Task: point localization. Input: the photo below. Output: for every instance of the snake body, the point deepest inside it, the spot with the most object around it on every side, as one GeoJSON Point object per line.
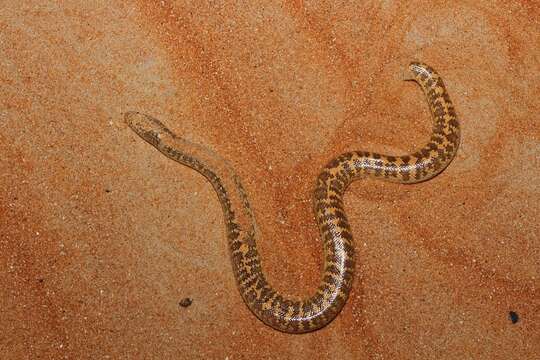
{"type": "Point", "coordinates": [298, 316]}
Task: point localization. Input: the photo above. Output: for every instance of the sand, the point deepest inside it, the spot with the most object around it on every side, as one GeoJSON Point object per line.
{"type": "Point", "coordinates": [102, 238]}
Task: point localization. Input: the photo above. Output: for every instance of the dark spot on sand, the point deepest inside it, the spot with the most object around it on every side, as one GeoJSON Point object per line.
{"type": "Point", "coordinates": [514, 317]}
{"type": "Point", "coordinates": [185, 302]}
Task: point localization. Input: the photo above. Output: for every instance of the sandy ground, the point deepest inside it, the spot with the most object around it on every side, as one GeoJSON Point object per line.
{"type": "Point", "coordinates": [101, 236]}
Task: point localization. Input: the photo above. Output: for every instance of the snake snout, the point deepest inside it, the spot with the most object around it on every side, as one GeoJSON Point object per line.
{"type": "Point", "coordinates": [136, 120]}
{"type": "Point", "coordinates": [145, 126]}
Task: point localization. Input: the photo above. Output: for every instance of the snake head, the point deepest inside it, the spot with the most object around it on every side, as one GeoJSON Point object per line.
{"type": "Point", "coordinates": [147, 127]}
{"type": "Point", "coordinates": [419, 72]}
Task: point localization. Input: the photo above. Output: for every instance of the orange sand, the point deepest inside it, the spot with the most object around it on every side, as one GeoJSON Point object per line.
{"type": "Point", "coordinates": [101, 236]}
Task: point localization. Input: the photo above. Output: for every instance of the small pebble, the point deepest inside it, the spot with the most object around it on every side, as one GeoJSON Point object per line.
{"type": "Point", "coordinates": [514, 317]}
{"type": "Point", "coordinates": [185, 302]}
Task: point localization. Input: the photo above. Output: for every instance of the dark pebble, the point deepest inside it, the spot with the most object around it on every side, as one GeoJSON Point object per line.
{"type": "Point", "coordinates": [514, 317]}
{"type": "Point", "coordinates": [185, 302]}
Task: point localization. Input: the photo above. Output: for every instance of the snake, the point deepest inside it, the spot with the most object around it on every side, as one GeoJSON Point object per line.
{"type": "Point", "coordinates": [284, 313]}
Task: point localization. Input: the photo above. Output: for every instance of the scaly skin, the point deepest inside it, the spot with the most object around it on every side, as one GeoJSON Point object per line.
{"type": "Point", "coordinates": [318, 310]}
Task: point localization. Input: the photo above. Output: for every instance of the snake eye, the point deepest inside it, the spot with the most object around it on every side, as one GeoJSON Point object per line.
{"type": "Point", "coordinates": [152, 136]}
